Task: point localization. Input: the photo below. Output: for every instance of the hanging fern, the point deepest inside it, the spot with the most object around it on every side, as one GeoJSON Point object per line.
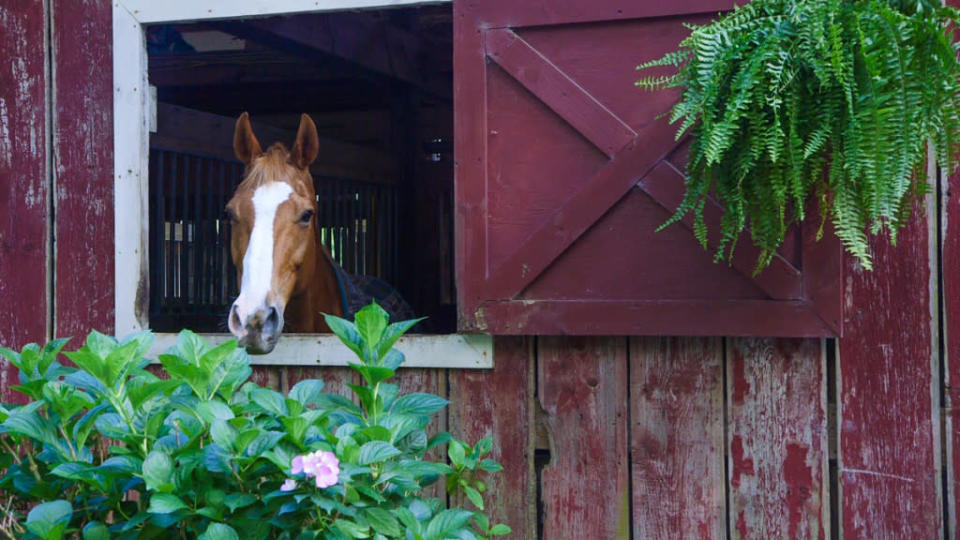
{"type": "Point", "coordinates": [835, 100]}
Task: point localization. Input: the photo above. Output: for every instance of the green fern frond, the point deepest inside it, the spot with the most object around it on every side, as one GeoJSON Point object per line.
{"type": "Point", "coordinates": [790, 102]}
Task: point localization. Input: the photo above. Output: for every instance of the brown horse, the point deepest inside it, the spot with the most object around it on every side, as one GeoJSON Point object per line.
{"type": "Point", "coordinates": [284, 272]}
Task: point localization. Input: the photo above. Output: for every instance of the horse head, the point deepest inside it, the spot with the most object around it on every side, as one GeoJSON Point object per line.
{"type": "Point", "coordinates": [274, 240]}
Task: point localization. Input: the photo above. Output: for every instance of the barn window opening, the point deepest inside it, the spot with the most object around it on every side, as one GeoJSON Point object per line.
{"type": "Point", "coordinates": [378, 85]}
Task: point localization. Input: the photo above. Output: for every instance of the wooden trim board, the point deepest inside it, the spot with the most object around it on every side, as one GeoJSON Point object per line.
{"type": "Point", "coordinates": [151, 11]}
{"type": "Point", "coordinates": [465, 351]}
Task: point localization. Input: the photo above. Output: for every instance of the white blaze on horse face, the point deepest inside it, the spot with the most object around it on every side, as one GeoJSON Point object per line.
{"type": "Point", "coordinates": [257, 277]}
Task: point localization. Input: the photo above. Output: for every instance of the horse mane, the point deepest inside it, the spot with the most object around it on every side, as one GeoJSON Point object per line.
{"type": "Point", "coordinates": [269, 167]}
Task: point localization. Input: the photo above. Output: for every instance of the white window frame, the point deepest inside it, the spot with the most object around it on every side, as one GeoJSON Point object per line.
{"type": "Point", "coordinates": [132, 110]}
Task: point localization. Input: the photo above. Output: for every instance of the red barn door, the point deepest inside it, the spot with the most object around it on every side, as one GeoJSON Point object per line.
{"type": "Point", "coordinates": [565, 170]}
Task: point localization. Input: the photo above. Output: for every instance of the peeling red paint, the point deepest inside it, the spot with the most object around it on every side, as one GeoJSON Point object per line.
{"type": "Point", "coordinates": [741, 464]}
{"type": "Point", "coordinates": [889, 446]}
{"type": "Point", "coordinates": [777, 433]}
{"type": "Point", "coordinates": [742, 525]}
{"type": "Point", "coordinates": [741, 386]}
{"type": "Point", "coordinates": [798, 477]}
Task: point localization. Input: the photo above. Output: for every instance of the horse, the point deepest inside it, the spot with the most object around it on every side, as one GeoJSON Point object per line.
{"type": "Point", "coordinates": [286, 275]}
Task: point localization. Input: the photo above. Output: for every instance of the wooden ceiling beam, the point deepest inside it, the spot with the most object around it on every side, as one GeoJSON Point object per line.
{"type": "Point", "coordinates": [234, 67]}
{"type": "Point", "coordinates": [357, 38]}
{"type": "Point", "coordinates": [188, 130]}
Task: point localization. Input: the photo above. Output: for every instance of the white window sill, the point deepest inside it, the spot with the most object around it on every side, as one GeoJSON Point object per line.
{"type": "Point", "coordinates": [454, 351]}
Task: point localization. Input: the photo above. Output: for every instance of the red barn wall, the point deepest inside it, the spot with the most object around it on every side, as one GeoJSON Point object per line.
{"type": "Point", "coordinates": [601, 437]}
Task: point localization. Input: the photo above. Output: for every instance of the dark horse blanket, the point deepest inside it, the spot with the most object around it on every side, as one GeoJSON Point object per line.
{"type": "Point", "coordinates": [357, 291]}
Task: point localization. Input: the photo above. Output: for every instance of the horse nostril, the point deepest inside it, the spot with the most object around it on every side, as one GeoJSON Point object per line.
{"type": "Point", "coordinates": [271, 325]}
{"type": "Point", "coordinates": [234, 322]}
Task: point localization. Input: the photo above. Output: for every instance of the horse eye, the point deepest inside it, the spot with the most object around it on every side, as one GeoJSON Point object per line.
{"type": "Point", "coordinates": [306, 216]}
{"type": "Point", "coordinates": [228, 215]}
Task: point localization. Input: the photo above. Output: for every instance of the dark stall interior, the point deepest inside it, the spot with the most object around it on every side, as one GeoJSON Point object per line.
{"type": "Point", "coordinates": [377, 83]}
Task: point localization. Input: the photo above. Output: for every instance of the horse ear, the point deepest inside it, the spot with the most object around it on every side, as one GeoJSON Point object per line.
{"type": "Point", "coordinates": [307, 145]}
{"type": "Point", "coordinates": [245, 144]}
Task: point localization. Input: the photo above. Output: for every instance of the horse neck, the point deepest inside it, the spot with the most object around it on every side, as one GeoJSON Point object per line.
{"type": "Point", "coordinates": [321, 295]}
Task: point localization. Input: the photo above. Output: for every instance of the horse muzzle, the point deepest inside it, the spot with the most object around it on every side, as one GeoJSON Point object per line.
{"type": "Point", "coordinates": [259, 330]}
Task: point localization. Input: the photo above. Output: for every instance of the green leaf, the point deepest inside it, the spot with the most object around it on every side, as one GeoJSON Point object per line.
{"type": "Point", "coordinates": [409, 520]}
{"type": "Point", "coordinates": [352, 529]}
{"type": "Point", "coordinates": [347, 332]}
{"type": "Point", "coordinates": [215, 356]}
{"type": "Point", "coordinates": [296, 428]}
{"type": "Point", "coordinates": [483, 446]}
{"type": "Point", "coordinates": [235, 501]}
{"type": "Point", "coordinates": [121, 360]}
{"type": "Point", "coordinates": [49, 354]}
{"type": "Point", "coordinates": [76, 471]}
{"type": "Point", "coordinates": [440, 438]}
{"type": "Point", "coordinates": [223, 433]}
{"type": "Point", "coordinates": [140, 394]}
{"type": "Point", "coordinates": [500, 529]}
{"type": "Point", "coordinates": [271, 401]}
{"type": "Point", "coordinates": [95, 531]}
{"type": "Point", "coordinates": [216, 459]}
{"type": "Point", "coordinates": [474, 497]}
{"type": "Point", "coordinates": [214, 410]}
{"type": "Point", "coordinates": [377, 433]}
{"type": "Point", "coordinates": [120, 465]}
{"type": "Point", "coordinates": [393, 359]}
{"type": "Point", "coordinates": [372, 374]}
{"type": "Point", "coordinates": [219, 531]}
{"type": "Point", "coordinates": [32, 425]}
{"type": "Point", "coordinates": [165, 503]}
{"type": "Point", "coordinates": [446, 522]}
{"type": "Point", "coordinates": [336, 402]}
{"type": "Point", "coordinates": [371, 321]}
{"type": "Point", "coordinates": [158, 472]}
{"type": "Point", "coordinates": [490, 465]}
{"type": "Point", "coordinates": [418, 403]}
{"type": "Point", "coordinates": [190, 347]}
{"type": "Point", "coordinates": [392, 334]}
{"type": "Point", "coordinates": [307, 392]}
{"type": "Point", "coordinates": [377, 452]}
{"type": "Point", "coordinates": [180, 370]}
{"type": "Point", "coordinates": [456, 453]}
{"type": "Point", "coordinates": [49, 520]}
{"type": "Point", "coordinates": [264, 441]}
{"type": "Point", "coordinates": [112, 425]}
{"type": "Point", "coordinates": [383, 522]}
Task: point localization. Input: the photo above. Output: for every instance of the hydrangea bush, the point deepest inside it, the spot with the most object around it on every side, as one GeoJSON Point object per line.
{"type": "Point", "coordinates": [108, 450]}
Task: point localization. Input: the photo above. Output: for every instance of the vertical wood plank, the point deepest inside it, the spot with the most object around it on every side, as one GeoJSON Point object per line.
{"type": "Point", "coordinates": [778, 438]}
{"type": "Point", "coordinates": [499, 403]}
{"type": "Point", "coordinates": [676, 438]}
{"type": "Point", "coordinates": [266, 376]}
{"type": "Point", "coordinates": [950, 234]}
{"type": "Point", "coordinates": [583, 392]}
{"type": "Point", "coordinates": [24, 183]}
{"type": "Point", "coordinates": [889, 435]}
{"type": "Point", "coordinates": [83, 166]}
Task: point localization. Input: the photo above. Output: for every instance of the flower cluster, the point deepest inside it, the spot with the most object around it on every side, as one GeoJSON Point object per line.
{"type": "Point", "coordinates": [323, 466]}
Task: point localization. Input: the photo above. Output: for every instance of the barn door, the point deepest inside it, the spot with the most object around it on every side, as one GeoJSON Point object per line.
{"type": "Point", "coordinates": [565, 170]}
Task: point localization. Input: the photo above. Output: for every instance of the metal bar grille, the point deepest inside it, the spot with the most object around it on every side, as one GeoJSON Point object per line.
{"type": "Point", "coordinates": [192, 277]}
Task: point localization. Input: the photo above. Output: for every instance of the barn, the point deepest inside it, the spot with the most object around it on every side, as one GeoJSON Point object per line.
{"type": "Point", "coordinates": [494, 161]}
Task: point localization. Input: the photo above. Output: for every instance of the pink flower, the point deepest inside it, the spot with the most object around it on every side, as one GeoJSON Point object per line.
{"type": "Point", "coordinates": [289, 485]}
{"type": "Point", "coordinates": [320, 464]}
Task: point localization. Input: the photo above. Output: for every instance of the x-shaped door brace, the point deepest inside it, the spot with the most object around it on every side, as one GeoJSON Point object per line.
{"type": "Point", "coordinates": [637, 160]}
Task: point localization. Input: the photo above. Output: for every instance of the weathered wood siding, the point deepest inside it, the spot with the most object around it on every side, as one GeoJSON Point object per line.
{"type": "Point", "coordinates": [24, 180]}
{"type": "Point", "coordinates": [82, 142]}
